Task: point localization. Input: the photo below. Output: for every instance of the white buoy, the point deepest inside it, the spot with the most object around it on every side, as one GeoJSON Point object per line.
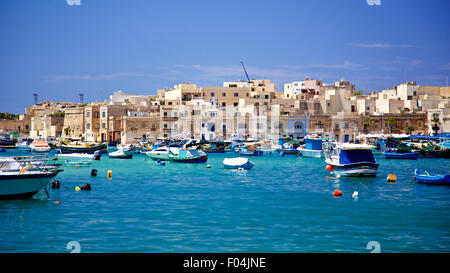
{"type": "Point", "coordinates": [338, 176]}
{"type": "Point", "coordinates": [355, 194]}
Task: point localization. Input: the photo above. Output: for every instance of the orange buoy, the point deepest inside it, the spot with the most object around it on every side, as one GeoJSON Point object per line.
{"type": "Point", "coordinates": [329, 167]}
{"type": "Point", "coordinates": [391, 178]}
{"type": "Point", "coordinates": [337, 193]}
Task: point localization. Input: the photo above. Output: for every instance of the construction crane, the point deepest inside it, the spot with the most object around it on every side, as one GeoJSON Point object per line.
{"type": "Point", "coordinates": [245, 72]}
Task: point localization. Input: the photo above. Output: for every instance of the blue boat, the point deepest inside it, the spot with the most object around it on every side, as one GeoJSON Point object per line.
{"type": "Point", "coordinates": [313, 148]}
{"type": "Point", "coordinates": [394, 155]}
{"type": "Point", "coordinates": [424, 177]}
{"type": "Point", "coordinates": [352, 160]}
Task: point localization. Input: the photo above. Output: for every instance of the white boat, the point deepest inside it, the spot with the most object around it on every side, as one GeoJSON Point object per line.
{"type": "Point", "coordinates": [24, 145]}
{"type": "Point", "coordinates": [121, 153]}
{"type": "Point", "coordinates": [237, 162]}
{"type": "Point", "coordinates": [24, 177]}
{"type": "Point", "coordinates": [75, 155]}
{"type": "Point", "coordinates": [162, 153]}
{"type": "Point", "coordinates": [40, 146]}
{"type": "Point", "coordinates": [352, 160]}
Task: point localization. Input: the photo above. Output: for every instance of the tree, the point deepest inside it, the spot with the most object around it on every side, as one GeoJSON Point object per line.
{"type": "Point", "coordinates": [389, 121]}
{"type": "Point", "coordinates": [368, 124]}
{"type": "Point", "coordinates": [410, 129]}
{"type": "Point", "coordinates": [359, 92]}
{"type": "Point", "coordinates": [435, 120]}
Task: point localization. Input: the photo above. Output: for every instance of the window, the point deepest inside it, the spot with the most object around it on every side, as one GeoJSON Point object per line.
{"type": "Point", "coordinates": [266, 96]}
{"type": "Point", "coordinates": [88, 126]}
{"type": "Point", "coordinates": [415, 93]}
{"type": "Point", "coordinates": [88, 114]}
{"type": "Point", "coordinates": [169, 103]}
{"type": "Point", "coordinates": [165, 125]}
{"type": "Point", "coordinates": [104, 114]}
{"type": "Point", "coordinates": [104, 125]}
{"type": "Point", "coordinates": [212, 94]}
{"type": "Point", "coordinates": [224, 94]}
{"type": "Point", "coordinates": [235, 104]}
{"type": "Point", "coordinates": [224, 127]}
{"type": "Point", "coordinates": [97, 114]}
{"type": "Point", "coordinates": [236, 94]}
{"type": "Point", "coordinates": [247, 94]}
{"type": "Point", "coordinates": [224, 104]}
{"type": "Point", "coordinates": [409, 97]}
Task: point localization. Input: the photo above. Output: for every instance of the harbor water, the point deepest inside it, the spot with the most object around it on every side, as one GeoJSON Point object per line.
{"type": "Point", "coordinates": [283, 204]}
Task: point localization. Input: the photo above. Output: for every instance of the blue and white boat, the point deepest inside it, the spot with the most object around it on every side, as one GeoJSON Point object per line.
{"type": "Point", "coordinates": [352, 160]}
{"type": "Point", "coordinates": [424, 177]}
{"type": "Point", "coordinates": [313, 148]}
{"type": "Point", "coordinates": [237, 162]}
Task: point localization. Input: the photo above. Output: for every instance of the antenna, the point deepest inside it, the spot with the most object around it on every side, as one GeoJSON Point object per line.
{"type": "Point", "coordinates": [35, 95]}
{"type": "Point", "coordinates": [245, 71]}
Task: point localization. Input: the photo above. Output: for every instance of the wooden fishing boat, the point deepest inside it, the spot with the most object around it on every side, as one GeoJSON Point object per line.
{"type": "Point", "coordinates": [313, 148]}
{"type": "Point", "coordinates": [432, 150]}
{"type": "Point", "coordinates": [424, 177]}
{"type": "Point", "coordinates": [188, 156]}
{"type": "Point", "coordinates": [214, 147]}
{"type": "Point", "coordinates": [88, 148]}
{"type": "Point", "coordinates": [121, 154]}
{"type": "Point", "coordinates": [395, 155]}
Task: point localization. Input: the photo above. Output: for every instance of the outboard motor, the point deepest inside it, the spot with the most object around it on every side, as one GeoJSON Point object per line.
{"type": "Point", "coordinates": [97, 155]}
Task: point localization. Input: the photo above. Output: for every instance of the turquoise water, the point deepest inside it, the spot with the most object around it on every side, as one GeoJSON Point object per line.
{"type": "Point", "coordinates": [281, 205]}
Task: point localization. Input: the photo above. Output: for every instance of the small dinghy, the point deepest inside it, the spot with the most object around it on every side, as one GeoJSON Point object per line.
{"type": "Point", "coordinates": [237, 162]}
{"type": "Point", "coordinates": [424, 177]}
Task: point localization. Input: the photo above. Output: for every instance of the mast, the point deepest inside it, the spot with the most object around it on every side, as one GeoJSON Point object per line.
{"type": "Point", "coordinates": [248, 79]}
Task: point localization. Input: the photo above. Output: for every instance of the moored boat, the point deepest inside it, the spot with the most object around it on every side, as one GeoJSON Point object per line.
{"type": "Point", "coordinates": [424, 177]}
{"type": "Point", "coordinates": [162, 153]}
{"type": "Point", "coordinates": [39, 146]}
{"type": "Point", "coordinates": [89, 148]}
{"type": "Point", "coordinates": [185, 155]}
{"type": "Point", "coordinates": [353, 160]}
{"type": "Point", "coordinates": [395, 155]}
{"type": "Point", "coordinates": [6, 142]}
{"type": "Point", "coordinates": [237, 162]}
{"type": "Point", "coordinates": [214, 147]}
{"type": "Point", "coordinates": [24, 145]}
{"type": "Point", "coordinates": [313, 148]}
{"type": "Point", "coordinates": [121, 154]}
{"type": "Point", "coordinates": [23, 177]}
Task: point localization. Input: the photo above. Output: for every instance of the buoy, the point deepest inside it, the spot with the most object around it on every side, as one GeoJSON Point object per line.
{"type": "Point", "coordinates": [240, 169]}
{"type": "Point", "coordinates": [337, 193]}
{"type": "Point", "coordinates": [329, 168]}
{"type": "Point", "coordinates": [77, 188]}
{"type": "Point", "coordinates": [355, 194]}
{"type": "Point", "coordinates": [86, 187]}
{"type": "Point", "coordinates": [162, 163]}
{"type": "Point", "coordinates": [94, 172]}
{"type": "Point", "coordinates": [208, 166]}
{"type": "Point", "coordinates": [76, 167]}
{"type": "Point", "coordinates": [57, 202]}
{"type": "Point", "coordinates": [391, 178]}
{"type": "Point", "coordinates": [159, 160]}
{"type": "Point", "coordinates": [109, 174]}
{"type": "Point", "coordinates": [338, 176]}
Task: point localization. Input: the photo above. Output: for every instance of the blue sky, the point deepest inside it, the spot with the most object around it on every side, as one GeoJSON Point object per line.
{"type": "Point", "coordinates": [138, 46]}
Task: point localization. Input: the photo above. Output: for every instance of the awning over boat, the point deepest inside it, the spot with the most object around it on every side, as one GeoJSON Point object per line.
{"type": "Point", "coordinates": [355, 156]}
{"type": "Point", "coordinates": [313, 144]}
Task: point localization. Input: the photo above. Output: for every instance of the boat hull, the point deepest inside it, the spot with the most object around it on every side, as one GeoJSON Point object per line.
{"type": "Point", "coordinates": [40, 149]}
{"type": "Point", "coordinates": [23, 185]}
{"type": "Point", "coordinates": [357, 169]}
{"type": "Point", "coordinates": [126, 156]}
{"type": "Point", "coordinates": [87, 150]}
{"type": "Point", "coordinates": [388, 155]}
{"type": "Point", "coordinates": [160, 156]}
{"type": "Point", "coordinates": [312, 153]}
{"type": "Point", "coordinates": [254, 153]}
{"type": "Point", "coordinates": [422, 177]}
{"type": "Point", "coordinates": [201, 159]}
